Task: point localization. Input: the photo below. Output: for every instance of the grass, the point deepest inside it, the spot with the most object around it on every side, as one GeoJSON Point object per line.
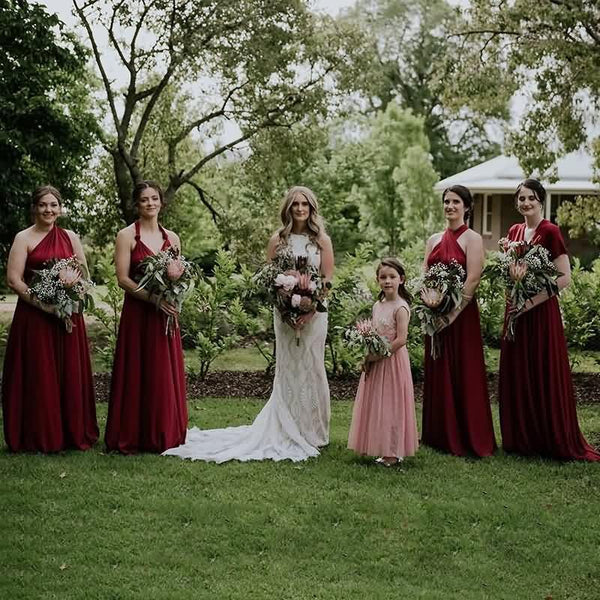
{"type": "Point", "coordinates": [90, 526]}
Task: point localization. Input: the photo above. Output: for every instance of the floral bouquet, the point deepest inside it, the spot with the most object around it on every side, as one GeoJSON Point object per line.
{"type": "Point", "coordinates": [364, 336]}
{"type": "Point", "coordinates": [62, 284]}
{"type": "Point", "coordinates": [292, 286]}
{"type": "Point", "coordinates": [167, 275]}
{"type": "Point", "coordinates": [526, 270]}
{"type": "Point", "coordinates": [439, 291]}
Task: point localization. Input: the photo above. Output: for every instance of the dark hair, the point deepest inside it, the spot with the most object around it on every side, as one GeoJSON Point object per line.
{"type": "Point", "coordinates": [465, 196]}
{"type": "Point", "coordinates": [536, 186]}
{"type": "Point", "coordinates": [395, 264]}
{"type": "Point", "coordinates": [144, 185]}
{"type": "Point", "coordinates": [42, 191]}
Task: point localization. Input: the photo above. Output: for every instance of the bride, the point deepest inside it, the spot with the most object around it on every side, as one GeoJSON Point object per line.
{"type": "Point", "coordinates": [294, 423]}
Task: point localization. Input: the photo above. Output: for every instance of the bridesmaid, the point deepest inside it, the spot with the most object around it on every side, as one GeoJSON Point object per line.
{"type": "Point", "coordinates": [47, 387]}
{"type": "Point", "coordinates": [537, 403]}
{"type": "Point", "coordinates": [147, 409]}
{"type": "Point", "coordinates": [456, 410]}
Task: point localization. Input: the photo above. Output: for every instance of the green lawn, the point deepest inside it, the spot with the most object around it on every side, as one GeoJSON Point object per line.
{"type": "Point", "coordinates": [86, 526]}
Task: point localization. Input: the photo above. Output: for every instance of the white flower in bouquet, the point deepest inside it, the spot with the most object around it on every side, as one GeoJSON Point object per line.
{"type": "Point", "coordinates": [287, 282]}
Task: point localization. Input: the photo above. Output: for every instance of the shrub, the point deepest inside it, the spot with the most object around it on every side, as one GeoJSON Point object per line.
{"type": "Point", "coordinates": [107, 310]}
{"type": "Point", "coordinates": [580, 306]}
{"type": "Point", "coordinates": [349, 300]}
{"type": "Point", "coordinates": [206, 319]}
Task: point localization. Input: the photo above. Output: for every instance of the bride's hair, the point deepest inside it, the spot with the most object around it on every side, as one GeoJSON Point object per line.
{"type": "Point", "coordinates": [315, 224]}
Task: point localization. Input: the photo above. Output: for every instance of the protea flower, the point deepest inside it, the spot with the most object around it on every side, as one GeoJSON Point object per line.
{"type": "Point", "coordinates": [69, 276]}
{"type": "Point", "coordinates": [304, 281]}
{"type": "Point", "coordinates": [517, 270]}
{"type": "Point", "coordinates": [364, 327]}
{"type": "Point", "coordinates": [432, 297]}
{"type": "Point", "coordinates": [175, 269]}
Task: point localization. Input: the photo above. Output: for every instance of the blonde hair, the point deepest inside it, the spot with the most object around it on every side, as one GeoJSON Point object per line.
{"type": "Point", "coordinates": [315, 224]}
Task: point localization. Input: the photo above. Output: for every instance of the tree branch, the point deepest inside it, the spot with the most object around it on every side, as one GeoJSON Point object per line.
{"type": "Point", "coordinates": [202, 194]}
{"type": "Point", "coordinates": [109, 93]}
{"type": "Point", "coordinates": [113, 40]}
{"type": "Point", "coordinates": [209, 117]}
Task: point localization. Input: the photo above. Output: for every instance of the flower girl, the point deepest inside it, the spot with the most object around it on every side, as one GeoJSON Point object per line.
{"type": "Point", "coordinates": [383, 420]}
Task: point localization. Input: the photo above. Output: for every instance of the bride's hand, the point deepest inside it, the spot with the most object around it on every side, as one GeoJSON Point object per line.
{"type": "Point", "coordinates": [303, 319]}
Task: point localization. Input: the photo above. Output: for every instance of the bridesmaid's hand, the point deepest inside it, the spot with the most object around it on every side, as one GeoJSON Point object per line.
{"type": "Point", "coordinates": [443, 321]}
{"type": "Point", "coordinates": [47, 308]}
{"type": "Point", "coordinates": [168, 309]}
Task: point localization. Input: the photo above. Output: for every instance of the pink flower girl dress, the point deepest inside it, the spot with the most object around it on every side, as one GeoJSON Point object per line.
{"type": "Point", "coordinates": [383, 420]}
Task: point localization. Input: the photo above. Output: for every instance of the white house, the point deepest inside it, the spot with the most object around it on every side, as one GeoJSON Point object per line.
{"type": "Point", "coordinates": [493, 184]}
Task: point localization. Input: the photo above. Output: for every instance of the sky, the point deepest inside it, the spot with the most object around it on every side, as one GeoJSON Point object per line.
{"type": "Point", "coordinates": [63, 8]}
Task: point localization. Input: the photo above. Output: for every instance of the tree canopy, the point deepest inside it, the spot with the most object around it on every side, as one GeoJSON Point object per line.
{"type": "Point", "coordinates": [548, 52]}
{"type": "Point", "coordinates": [47, 128]}
{"type": "Point", "coordinates": [412, 51]}
{"type": "Point", "coordinates": [254, 64]}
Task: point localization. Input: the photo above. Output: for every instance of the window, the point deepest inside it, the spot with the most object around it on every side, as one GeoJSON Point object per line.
{"type": "Point", "coordinates": [486, 228]}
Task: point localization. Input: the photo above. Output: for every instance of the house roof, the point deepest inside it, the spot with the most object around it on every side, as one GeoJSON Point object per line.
{"type": "Point", "coordinates": [503, 174]}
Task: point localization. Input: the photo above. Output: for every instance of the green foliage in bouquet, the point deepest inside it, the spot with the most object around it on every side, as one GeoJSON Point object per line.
{"type": "Point", "coordinates": [64, 285]}
{"type": "Point", "coordinates": [525, 269]}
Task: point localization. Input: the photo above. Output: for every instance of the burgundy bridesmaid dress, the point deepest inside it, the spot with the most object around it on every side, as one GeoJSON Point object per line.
{"type": "Point", "coordinates": [537, 405]}
{"type": "Point", "coordinates": [457, 417]}
{"type": "Point", "coordinates": [47, 386]}
{"type": "Point", "coordinates": [147, 410]}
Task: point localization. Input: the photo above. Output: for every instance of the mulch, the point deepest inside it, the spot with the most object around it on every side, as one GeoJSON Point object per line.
{"type": "Point", "coordinates": [238, 384]}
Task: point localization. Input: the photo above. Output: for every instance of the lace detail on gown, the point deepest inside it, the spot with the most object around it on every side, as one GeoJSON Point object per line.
{"type": "Point", "coordinates": [295, 420]}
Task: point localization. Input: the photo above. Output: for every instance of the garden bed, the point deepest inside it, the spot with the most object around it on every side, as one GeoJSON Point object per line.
{"type": "Point", "coordinates": [256, 384]}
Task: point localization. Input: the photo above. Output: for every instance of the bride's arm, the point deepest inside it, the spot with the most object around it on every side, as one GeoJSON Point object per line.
{"type": "Point", "coordinates": [327, 259]}
{"type": "Point", "coordinates": [272, 247]}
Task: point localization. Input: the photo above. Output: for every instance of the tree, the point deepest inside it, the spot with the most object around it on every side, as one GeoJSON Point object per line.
{"type": "Point", "coordinates": [422, 211]}
{"type": "Point", "coordinates": [581, 218]}
{"type": "Point", "coordinates": [47, 128]}
{"type": "Point", "coordinates": [547, 51]}
{"type": "Point", "coordinates": [411, 55]}
{"type": "Point", "coordinates": [257, 64]}
{"type": "Point", "coordinates": [394, 133]}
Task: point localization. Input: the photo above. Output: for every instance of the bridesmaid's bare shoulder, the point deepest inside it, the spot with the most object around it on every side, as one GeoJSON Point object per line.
{"type": "Point", "coordinates": [434, 239]}
{"type": "Point", "coordinates": [473, 237]}
{"type": "Point", "coordinates": [24, 235]}
{"type": "Point", "coordinates": [72, 235]}
{"type": "Point", "coordinates": [127, 232]}
{"type": "Point", "coordinates": [126, 236]}
{"type": "Point", "coordinates": [173, 238]}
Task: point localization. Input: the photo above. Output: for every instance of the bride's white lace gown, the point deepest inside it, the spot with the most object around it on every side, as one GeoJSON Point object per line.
{"type": "Point", "coordinates": [295, 421]}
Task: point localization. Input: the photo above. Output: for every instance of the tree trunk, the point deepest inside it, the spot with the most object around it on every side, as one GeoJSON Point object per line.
{"type": "Point", "coordinates": [124, 187]}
